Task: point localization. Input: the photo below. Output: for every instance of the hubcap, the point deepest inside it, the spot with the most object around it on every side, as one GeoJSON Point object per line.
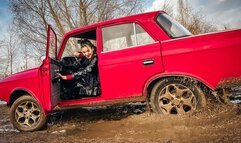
{"type": "Point", "coordinates": [176, 99]}
{"type": "Point", "coordinates": [27, 114]}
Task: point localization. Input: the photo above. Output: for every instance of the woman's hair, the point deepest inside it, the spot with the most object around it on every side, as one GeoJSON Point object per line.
{"type": "Point", "coordinates": [86, 42]}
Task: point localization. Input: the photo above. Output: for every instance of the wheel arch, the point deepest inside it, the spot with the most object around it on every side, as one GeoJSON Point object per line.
{"type": "Point", "coordinates": [203, 85]}
{"type": "Point", "coordinates": [17, 93]}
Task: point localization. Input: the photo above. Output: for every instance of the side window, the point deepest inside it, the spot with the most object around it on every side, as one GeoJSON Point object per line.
{"type": "Point", "coordinates": [123, 36]}
{"type": "Point", "coordinates": [142, 36]}
{"type": "Point", "coordinates": [117, 37]}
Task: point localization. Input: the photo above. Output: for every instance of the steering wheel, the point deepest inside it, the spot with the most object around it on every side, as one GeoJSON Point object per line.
{"type": "Point", "coordinates": [70, 61]}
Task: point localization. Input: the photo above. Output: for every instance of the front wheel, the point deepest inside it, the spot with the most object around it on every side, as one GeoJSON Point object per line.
{"type": "Point", "coordinates": [27, 115]}
{"type": "Point", "coordinates": [175, 96]}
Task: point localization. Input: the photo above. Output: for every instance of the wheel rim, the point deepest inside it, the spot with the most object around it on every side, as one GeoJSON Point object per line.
{"type": "Point", "coordinates": [176, 99]}
{"type": "Point", "coordinates": [27, 114]}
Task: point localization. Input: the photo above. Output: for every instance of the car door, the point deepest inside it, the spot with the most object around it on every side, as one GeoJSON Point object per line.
{"type": "Point", "coordinates": [128, 57]}
{"type": "Point", "coordinates": [49, 69]}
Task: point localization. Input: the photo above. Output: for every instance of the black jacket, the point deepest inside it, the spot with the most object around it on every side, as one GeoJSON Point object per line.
{"type": "Point", "coordinates": [87, 76]}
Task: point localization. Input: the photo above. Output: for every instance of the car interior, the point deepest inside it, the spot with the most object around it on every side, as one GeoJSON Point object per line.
{"type": "Point", "coordinates": [70, 64]}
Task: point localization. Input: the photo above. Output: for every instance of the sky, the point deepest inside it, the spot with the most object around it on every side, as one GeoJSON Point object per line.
{"type": "Point", "coordinates": [221, 12]}
{"type": "Point", "coordinates": [5, 18]}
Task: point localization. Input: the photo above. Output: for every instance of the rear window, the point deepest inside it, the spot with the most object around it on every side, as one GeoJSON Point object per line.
{"type": "Point", "coordinates": [172, 27]}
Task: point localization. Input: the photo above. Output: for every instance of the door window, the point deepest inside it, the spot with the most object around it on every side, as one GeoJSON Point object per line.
{"type": "Point", "coordinates": [51, 44]}
{"type": "Point", "coordinates": [124, 36]}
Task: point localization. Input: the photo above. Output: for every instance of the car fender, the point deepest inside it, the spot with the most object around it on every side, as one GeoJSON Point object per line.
{"type": "Point", "coordinates": [171, 74]}
{"type": "Point", "coordinates": [20, 91]}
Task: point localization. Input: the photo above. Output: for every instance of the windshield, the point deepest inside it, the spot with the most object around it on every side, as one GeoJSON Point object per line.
{"type": "Point", "coordinates": [172, 27]}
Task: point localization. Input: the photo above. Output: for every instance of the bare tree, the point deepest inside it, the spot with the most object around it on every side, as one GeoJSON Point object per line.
{"type": "Point", "coordinates": [8, 48]}
{"type": "Point", "coordinates": [3, 59]}
{"type": "Point", "coordinates": [11, 48]}
{"type": "Point", "coordinates": [193, 21]}
{"type": "Point", "coordinates": [25, 54]}
{"type": "Point", "coordinates": [31, 17]}
{"type": "Point", "coordinates": [166, 6]}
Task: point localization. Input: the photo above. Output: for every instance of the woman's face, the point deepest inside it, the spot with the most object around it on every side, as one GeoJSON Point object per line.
{"type": "Point", "coordinates": [87, 51]}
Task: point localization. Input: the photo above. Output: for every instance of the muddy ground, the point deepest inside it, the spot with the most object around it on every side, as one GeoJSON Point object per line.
{"type": "Point", "coordinates": [130, 123]}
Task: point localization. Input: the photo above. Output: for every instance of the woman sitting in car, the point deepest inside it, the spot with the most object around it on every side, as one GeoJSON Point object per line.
{"type": "Point", "coordinates": [87, 76]}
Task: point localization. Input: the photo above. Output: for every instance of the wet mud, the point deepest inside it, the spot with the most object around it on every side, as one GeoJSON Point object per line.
{"type": "Point", "coordinates": [130, 123]}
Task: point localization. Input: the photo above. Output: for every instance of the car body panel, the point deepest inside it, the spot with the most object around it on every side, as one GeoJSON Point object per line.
{"type": "Point", "coordinates": [210, 57]}
{"type": "Point", "coordinates": [27, 81]}
{"type": "Point", "coordinates": [119, 66]}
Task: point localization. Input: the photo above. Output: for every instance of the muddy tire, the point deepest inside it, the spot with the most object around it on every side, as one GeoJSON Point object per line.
{"type": "Point", "coordinates": [176, 96]}
{"type": "Point", "coordinates": [27, 115]}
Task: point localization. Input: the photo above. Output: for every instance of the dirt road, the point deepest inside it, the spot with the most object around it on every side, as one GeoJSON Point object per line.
{"type": "Point", "coordinates": [130, 123]}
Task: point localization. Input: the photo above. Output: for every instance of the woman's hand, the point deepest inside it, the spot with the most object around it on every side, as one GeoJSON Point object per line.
{"type": "Point", "coordinates": [76, 54]}
{"type": "Point", "coordinates": [62, 76]}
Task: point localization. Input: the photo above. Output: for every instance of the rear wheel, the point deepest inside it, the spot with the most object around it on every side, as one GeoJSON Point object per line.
{"type": "Point", "coordinates": [175, 96]}
{"type": "Point", "coordinates": [27, 115]}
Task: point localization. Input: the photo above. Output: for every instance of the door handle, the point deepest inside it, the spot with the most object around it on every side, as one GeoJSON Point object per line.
{"type": "Point", "coordinates": [148, 62]}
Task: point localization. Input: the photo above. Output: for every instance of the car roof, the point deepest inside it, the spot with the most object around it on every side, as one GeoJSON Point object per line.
{"type": "Point", "coordinates": [137, 17]}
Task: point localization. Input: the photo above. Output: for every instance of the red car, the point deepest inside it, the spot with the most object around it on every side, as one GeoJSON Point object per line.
{"type": "Point", "coordinates": [141, 58]}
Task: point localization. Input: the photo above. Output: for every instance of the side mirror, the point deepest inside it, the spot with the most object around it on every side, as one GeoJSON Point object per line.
{"type": "Point", "coordinates": [42, 57]}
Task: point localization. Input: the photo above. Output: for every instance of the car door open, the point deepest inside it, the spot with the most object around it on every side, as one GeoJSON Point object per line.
{"type": "Point", "coordinates": [52, 68]}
